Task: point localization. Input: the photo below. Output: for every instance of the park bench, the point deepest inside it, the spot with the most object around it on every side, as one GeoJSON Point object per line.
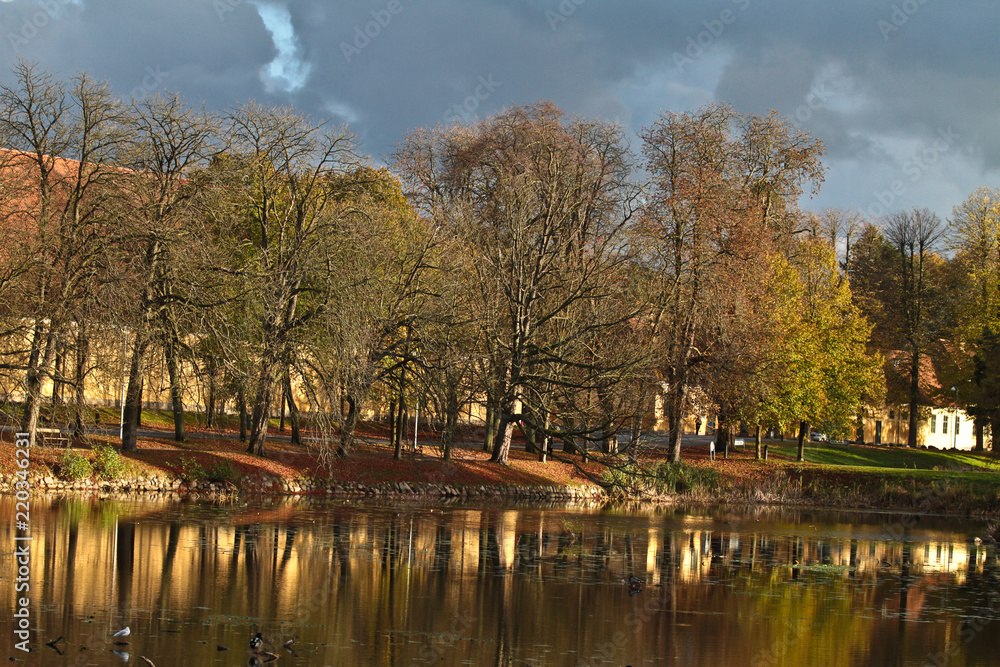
{"type": "Point", "coordinates": [52, 436]}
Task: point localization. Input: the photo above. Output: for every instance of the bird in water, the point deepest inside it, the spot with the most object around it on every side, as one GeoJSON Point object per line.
{"type": "Point", "coordinates": [256, 642]}
{"type": "Point", "coordinates": [54, 645]}
{"type": "Point", "coordinates": [121, 635]}
{"type": "Point", "coordinates": [634, 584]}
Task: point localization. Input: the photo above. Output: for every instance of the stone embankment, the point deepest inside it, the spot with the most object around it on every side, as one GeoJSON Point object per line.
{"type": "Point", "coordinates": [277, 486]}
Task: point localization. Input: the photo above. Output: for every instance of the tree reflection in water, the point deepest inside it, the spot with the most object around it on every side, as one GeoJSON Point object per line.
{"type": "Point", "coordinates": [403, 585]}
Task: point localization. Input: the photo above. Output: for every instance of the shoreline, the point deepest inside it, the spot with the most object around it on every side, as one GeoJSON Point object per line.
{"type": "Point", "coordinates": [164, 488]}
{"type": "Point", "coordinates": [220, 468]}
{"type": "Point", "coordinates": [175, 488]}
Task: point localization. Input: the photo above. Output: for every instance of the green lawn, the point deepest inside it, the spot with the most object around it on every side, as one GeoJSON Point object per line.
{"type": "Point", "coordinates": [888, 457]}
{"type": "Point", "coordinates": [946, 482]}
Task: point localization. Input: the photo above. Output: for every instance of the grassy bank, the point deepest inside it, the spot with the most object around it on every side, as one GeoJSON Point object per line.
{"type": "Point", "coordinates": [860, 477]}
{"type": "Point", "coordinates": [856, 477]}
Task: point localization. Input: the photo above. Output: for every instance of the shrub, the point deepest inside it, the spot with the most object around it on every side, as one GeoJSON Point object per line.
{"type": "Point", "coordinates": [191, 470]}
{"type": "Point", "coordinates": [634, 479]}
{"type": "Point", "coordinates": [224, 471]}
{"type": "Point", "coordinates": [221, 472]}
{"type": "Point", "coordinates": [75, 466]}
{"type": "Point", "coordinates": [681, 478]}
{"type": "Point", "coordinates": [110, 464]}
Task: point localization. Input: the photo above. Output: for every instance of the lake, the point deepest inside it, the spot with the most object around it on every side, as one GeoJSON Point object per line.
{"type": "Point", "coordinates": [359, 583]}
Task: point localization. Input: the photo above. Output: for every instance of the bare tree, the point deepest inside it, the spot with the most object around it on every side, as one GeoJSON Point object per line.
{"type": "Point", "coordinates": [542, 205]}
{"type": "Point", "coordinates": [841, 229]}
{"type": "Point", "coordinates": [723, 190]}
{"type": "Point", "coordinates": [166, 245]}
{"type": "Point", "coordinates": [915, 236]}
{"type": "Point", "coordinates": [66, 141]}
{"type": "Point", "coordinates": [367, 337]}
{"type": "Point", "coordinates": [281, 180]}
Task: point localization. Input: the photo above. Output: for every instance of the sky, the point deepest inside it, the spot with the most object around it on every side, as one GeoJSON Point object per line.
{"type": "Point", "coordinates": [904, 94]}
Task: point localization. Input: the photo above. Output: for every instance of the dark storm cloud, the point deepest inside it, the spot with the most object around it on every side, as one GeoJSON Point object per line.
{"type": "Point", "coordinates": [878, 82]}
{"type": "Point", "coordinates": [205, 57]}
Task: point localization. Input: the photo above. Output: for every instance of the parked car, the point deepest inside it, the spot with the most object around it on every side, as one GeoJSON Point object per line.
{"type": "Point", "coordinates": [819, 437]}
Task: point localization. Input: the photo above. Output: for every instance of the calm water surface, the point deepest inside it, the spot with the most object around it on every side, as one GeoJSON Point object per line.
{"type": "Point", "coordinates": [370, 584]}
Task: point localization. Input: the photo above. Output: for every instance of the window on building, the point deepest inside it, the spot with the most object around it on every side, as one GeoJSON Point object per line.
{"type": "Point", "coordinates": [892, 414]}
{"type": "Point", "coordinates": [933, 423]}
{"type": "Point", "coordinates": [944, 425]}
{"type": "Point", "coordinates": [956, 424]}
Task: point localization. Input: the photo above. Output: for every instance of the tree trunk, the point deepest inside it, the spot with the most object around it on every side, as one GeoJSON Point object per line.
{"type": "Point", "coordinates": [505, 432]}
{"type": "Point", "coordinates": [722, 437]}
{"type": "Point", "coordinates": [979, 425]}
{"type": "Point", "coordinates": [261, 413]}
{"type": "Point", "coordinates": [567, 435]}
{"type": "Point", "coordinates": [530, 443]}
{"type": "Point", "coordinates": [79, 377]}
{"type": "Point", "coordinates": [59, 368]}
{"type": "Point", "coordinates": [674, 417]}
{"type": "Point", "coordinates": [293, 409]}
{"type": "Point", "coordinates": [138, 403]}
{"type": "Point", "coordinates": [38, 363]}
{"type": "Point", "coordinates": [176, 393]}
{"type": "Point", "coordinates": [609, 439]}
{"type": "Point", "coordinates": [392, 422]}
{"type": "Point", "coordinates": [489, 435]}
{"type": "Point", "coordinates": [242, 400]}
{"type": "Point", "coordinates": [281, 420]}
{"type": "Point", "coordinates": [546, 446]}
{"type": "Point", "coordinates": [911, 436]}
{"type": "Point", "coordinates": [133, 394]}
{"type": "Point", "coordinates": [756, 442]}
{"type": "Point", "coordinates": [451, 412]}
{"type": "Point", "coordinates": [397, 453]}
{"type": "Point", "coordinates": [609, 430]}
{"type": "Point", "coordinates": [210, 418]}
{"type": "Point", "coordinates": [346, 428]}
{"type": "Point", "coordinates": [803, 434]}
{"type": "Point", "coordinates": [400, 428]}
